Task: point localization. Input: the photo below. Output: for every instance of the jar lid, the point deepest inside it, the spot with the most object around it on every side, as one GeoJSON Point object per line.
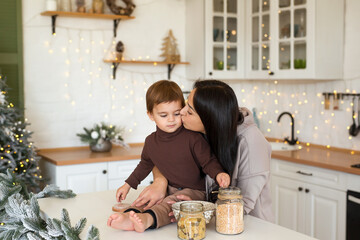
{"type": "Point", "coordinates": [191, 207]}
{"type": "Point", "coordinates": [229, 191]}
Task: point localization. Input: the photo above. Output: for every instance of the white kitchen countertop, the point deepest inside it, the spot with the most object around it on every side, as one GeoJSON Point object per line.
{"type": "Point", "coordinates": [96, 207]}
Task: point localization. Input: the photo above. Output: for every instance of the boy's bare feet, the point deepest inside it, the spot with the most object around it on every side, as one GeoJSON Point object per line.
{"type": "Point", "coordinates": [141, 221]}
{"type": "Point", "coordinates": [121, 221]}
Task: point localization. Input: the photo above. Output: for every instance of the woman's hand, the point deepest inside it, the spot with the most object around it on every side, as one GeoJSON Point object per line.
{"type": "Point", "coordinates": [180, 197]}
{"type": "Point", "coordinates": [154, 193]}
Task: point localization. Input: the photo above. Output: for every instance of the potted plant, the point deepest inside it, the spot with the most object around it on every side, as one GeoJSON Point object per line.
{"type": "Point", "coordinates": [102, 136]}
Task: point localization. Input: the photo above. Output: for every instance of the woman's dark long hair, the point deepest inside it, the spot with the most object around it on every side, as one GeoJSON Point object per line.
{"type": "Point", "coordinates": [216, 104]}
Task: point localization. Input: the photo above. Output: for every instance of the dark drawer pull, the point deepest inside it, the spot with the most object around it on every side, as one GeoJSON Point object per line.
{"type": "Point", "coordinates": [104, 171]}
{"type": "Point", "coordinates": [304, 173]}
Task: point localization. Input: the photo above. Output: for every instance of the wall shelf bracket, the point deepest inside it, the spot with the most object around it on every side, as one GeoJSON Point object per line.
{"type": "Point", "coordinates": [170, 68]}
{"type": "Point", "coordinates": [53, 23]}
{"type": "Point", "coordinates": [114, 67]}
{"type": "Point", "coordinates": [116, 24]}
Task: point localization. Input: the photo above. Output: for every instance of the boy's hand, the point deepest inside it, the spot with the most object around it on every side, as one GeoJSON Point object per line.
{"type": "Point", "coordinates": [223, 179]}
{"type": "Point", "coordinates": [122, 192]}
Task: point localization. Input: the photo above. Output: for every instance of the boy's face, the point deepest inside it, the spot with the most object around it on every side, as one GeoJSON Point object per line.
{"type": "Point", "coordinates": [167, 116]}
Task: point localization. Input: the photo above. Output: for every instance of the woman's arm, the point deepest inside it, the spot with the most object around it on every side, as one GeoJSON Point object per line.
{"type": "Point", "coordinates": [154, 193]}
{"type": "Point", "coordinates": [252, 172]}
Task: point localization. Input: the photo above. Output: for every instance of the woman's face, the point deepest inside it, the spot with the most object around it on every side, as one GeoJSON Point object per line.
{"type": "Point", "coordinates": [191, 120]}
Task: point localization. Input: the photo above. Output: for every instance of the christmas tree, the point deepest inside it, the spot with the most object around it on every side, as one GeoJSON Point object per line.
{"type": "Point", "coordinates": [20, 214]}
{"type": "Point", "coordinates": [17, 152]}
{"type": "Point", "coordinates": [170, 51]}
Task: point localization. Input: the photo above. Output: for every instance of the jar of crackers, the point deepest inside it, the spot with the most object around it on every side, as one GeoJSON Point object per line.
{"type": "Point", "coordinates": [191, 224]}
{"type": "Point", "coordinates": [229, 211]}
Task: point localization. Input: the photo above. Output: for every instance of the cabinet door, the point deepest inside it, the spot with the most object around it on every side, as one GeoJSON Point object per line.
{"type": "Point", "coordinates": [292, 39]}
{"type": "Point", "coordinates": [119, 171]}
{"type": "Point", "coordinates": [279, 40]}
{"type": "Point", "coordinates": [82, 178]}
{"type": "Point", "coordinates": [325, 215]}
{"type": "Point", "coordinates": [224, 39]}
{"type": "Point", "coordinates": [258, 36]}
{"type": "Point", "coordinates": [288, 203]}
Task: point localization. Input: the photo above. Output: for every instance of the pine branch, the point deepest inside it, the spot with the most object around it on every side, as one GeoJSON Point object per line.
{"type": "Point", "coordinates": [54, 191]}
{"type": "Point", "coordinates": [65, 216]}
{"type": "Point", "coordinates": [34, 236]}
{"type": "Point", "coordinates": [6, 192]}
{"type": "Point", "coordinates": [80, 226]}
{"type": "Point", "coordinates": [93, 233]}
{"type": "Point", "coordinates": [54, 227]}
{"type": "Point", "coordinates": [70, 234]}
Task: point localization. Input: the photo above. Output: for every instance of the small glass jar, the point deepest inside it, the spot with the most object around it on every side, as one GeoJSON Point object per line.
{"type": "Point", "coordinates": [65, 5]}
{"type": "Point", "coordinates": [191, 224]}
{"type": "Point", "coordinates": [229, 211]}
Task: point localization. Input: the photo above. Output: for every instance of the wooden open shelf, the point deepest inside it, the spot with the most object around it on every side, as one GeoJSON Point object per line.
{"type": "Point", "coordinates": [144, 62]}
{"type": "Point", "coordinates": [86, 15]}
{"type": "Point", "coordinates": [55, 14]}
{"type": "Point", "coordinates": [115, 64]}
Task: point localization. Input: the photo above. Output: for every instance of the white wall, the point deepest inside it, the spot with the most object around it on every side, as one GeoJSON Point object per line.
{"type": "Point", "coordinates": [60, 76]}
{"type": "Point", "coordinates": [57, 113]}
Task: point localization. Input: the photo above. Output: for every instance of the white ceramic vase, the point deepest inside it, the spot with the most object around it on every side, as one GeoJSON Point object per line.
{"type": "Point", "coordinates": [51, 5]}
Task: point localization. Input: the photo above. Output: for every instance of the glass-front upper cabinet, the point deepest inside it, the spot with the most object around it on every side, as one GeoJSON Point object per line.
{"type": "Point", "coordinates": [292, 34]}
{"type": "Point", "coordinates": [260, 37]}
{"type": "Point", "coordinates": [283, 40]}
{"type": "Point", "coordinates": [224, 42]}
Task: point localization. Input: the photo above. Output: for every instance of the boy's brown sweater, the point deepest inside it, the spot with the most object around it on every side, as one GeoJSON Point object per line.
{"type": "Point", "coordinates": [182, 157]}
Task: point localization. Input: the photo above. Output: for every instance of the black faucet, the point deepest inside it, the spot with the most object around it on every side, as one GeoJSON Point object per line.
{"type": "Point", "coordinates": [292, 141]}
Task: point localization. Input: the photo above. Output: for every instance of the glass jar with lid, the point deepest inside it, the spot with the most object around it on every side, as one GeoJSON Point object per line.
{"type": "Point", "coordinates": [191, 224]}
{"type": "Point", "coordinates": [229, 211]}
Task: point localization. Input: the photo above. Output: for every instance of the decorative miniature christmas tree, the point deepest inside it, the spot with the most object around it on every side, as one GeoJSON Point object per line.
{"type": "Point", "coordinates": [17, 152]}
{"type": "Point", "coordinates": [170, 51]}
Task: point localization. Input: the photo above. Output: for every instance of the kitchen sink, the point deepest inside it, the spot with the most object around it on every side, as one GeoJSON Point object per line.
{"type": "Point", "coordinates": [279, 146]}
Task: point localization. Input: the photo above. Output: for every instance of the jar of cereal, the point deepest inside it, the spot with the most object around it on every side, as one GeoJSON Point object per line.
{"type": "Point", "coordinates": [229, 211]}
{"type": "Point", "coordinates": [191, 224]}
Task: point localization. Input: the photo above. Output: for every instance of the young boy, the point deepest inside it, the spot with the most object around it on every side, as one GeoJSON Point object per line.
{"type": "Point", "coordinates": [182, 156]}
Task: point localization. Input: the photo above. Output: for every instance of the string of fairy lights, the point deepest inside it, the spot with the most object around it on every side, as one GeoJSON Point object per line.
{"type": "Point", "coordinates": [81, 54]}
{"type": "Point", "coordinates": [132, 81]}
{"type": "Point", "coordinates": [313, 124]}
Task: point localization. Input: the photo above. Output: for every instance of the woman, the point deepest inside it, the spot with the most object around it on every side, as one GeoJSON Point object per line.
{"type": "Point", "coordinates": [241, 148]}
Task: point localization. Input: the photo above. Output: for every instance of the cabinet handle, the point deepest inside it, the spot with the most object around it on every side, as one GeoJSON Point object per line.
{"type": "Point", "coordinates": [104, 171]}
{"type": "Point", "coordinates": [304, 173]}
{"type": "Point", "coordinates": [271, 73]}
{"type": "Point", "coordinates": [210, 73]}
{"type": "Point", "coordinates": [307, 190]}
{"type": "Point", "coordinates": [300, 189]}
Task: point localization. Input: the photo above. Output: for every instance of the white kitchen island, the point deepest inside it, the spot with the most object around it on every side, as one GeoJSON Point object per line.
{"type": "Point", "coordinates": [96, 207]}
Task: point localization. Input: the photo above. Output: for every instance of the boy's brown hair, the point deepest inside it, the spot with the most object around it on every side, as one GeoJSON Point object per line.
{"type": "Point", "coordinates": [163, 91]}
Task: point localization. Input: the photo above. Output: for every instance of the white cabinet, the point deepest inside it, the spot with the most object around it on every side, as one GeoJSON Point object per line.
{"type": "Point", "coordinates": [308, 199]}
{"type": "Point", "coordinates": [288, 204]}
{"type": "Point", "coordinates": [294, 39]}
{"type": "Point", "coordinates": [91, 177]}
{"type": "Point", "coordinates": [119, 171]}
{"type": "Point", "coordinates": [215, 39]}
{"type": "Point", "coordinates": [224, 39]}
{"type": "Point", "coordinates": [265, 39]}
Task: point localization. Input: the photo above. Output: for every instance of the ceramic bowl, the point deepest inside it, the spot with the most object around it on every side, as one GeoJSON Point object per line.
{"type": "Point", "coordinates": [209, 209]}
